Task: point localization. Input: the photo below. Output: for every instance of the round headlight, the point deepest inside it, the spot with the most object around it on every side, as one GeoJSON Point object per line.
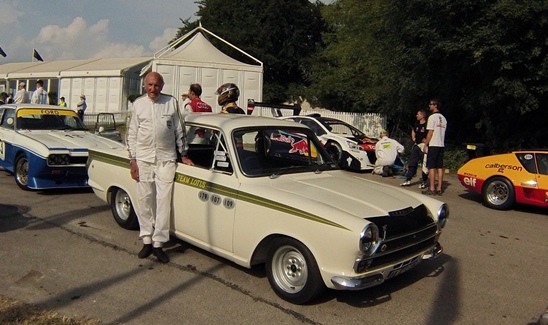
{"type": "Point", "coordinates": [369, 239]}
{"type": "Point", "coordinates": [443, 214]}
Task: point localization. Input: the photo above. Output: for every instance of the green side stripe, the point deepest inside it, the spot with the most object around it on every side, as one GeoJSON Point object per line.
{"type": "Point", "coordinates": [110, 159]}
{"type": "Point", "coordinates": [222, 190]}
{"type": "Point", "coordinates": [253, 199]}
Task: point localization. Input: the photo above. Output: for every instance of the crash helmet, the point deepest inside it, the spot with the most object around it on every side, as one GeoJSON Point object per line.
{"type": "Point", "coordinates": [227, 93]}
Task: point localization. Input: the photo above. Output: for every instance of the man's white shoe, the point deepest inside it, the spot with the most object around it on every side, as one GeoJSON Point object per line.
{"type": "Point", "coordinates": [406, 183]}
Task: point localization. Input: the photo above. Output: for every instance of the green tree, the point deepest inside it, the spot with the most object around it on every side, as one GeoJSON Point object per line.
{"type": "Point", "coordinates": [283, 34]}
{"type": "Point", "coordinates": [486, 60]}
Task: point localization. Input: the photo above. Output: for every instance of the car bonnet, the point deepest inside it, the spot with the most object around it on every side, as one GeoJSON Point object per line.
{"type": "Point", "coordinates": [57, 139]}
{"type": "Point", "coordinates": [338, 192]}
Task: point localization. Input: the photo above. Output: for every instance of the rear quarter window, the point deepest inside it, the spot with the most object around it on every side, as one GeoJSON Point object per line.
{"type": "Point", "coordinates": [528, 161]}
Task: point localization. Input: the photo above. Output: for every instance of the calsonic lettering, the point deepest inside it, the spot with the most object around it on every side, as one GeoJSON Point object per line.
{"type": "Point", "coordinates": [500, 168]}
{"type": "Point", "coordinates": [190, 181]}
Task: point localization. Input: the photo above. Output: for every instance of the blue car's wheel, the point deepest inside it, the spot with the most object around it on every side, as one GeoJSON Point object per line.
{"type": "Point", "coordinates": [21, 172]}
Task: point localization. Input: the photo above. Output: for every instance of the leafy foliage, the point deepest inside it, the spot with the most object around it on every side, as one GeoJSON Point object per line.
{"type": "Point", "coordinates": [486, 60]}
{"type": "Point", "coordinates": [283, 34]}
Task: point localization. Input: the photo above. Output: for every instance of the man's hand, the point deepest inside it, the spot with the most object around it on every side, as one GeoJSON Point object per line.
{"type": "Point", "coordinates": [187, 161]}
{"type": "Point", "coordinates": [134, 171]}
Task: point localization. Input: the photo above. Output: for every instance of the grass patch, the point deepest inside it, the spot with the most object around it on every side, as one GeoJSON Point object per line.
{"type": "Point", "coordinates": [13, 312]}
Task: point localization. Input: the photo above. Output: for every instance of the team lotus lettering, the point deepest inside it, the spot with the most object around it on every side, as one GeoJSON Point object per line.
{"type": "Point", "coordinates": [501, 168]}
{"type": "Point", "coordinates": [190, 181]}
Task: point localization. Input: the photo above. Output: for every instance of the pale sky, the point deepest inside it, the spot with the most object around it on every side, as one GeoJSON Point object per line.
{"type": "Point", "coordinates": [87, 29]}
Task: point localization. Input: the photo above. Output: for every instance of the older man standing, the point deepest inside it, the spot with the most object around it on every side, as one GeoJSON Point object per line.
{"type": "Point", "coordinates": [154, 133]}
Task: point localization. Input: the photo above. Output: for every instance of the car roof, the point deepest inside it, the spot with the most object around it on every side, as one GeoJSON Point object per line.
{"type": "Point", "coordinates": [229, 122]}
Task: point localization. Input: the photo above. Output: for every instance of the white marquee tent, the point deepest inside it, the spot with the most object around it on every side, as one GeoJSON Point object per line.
{"type": "Point", "coordinates": [106, 82]}
{"type": "Point", "coordinates": [198, 61]}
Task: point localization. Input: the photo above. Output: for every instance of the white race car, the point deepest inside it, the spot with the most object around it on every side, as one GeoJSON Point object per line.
{"type": "Point", "coordinates": [46, 146]}
{"type": "Point", "coordinates": [347, 145]}
{"type": "Point", "coordinates": [264, 190]}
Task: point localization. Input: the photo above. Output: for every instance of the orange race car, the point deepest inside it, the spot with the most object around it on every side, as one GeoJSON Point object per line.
{"type": "Point", "coordinates": [506, 179]}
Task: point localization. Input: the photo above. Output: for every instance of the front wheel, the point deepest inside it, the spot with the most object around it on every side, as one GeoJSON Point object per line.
{"type": "Point", "coordinates": [498, 193]}
{"type": "Point", "coordinates": [122, 210]}
{"type": "Point", "coordinates": [293, 272]}
{"type": "Point", "coordinates": [335, 151]}
{"type": "Point", "coordinates": [21, 172]}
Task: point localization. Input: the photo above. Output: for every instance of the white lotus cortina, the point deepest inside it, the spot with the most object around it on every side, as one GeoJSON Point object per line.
{"type": "Point", "coordinates": [264, 190]}
{"type": "Point", "coordinates": [46, 146]}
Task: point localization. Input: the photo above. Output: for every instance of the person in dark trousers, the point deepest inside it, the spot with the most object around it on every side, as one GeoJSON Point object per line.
{"type": "Point", "coordinates": [81, 107]}
{"type": "Point", "coordinates": [418, 134]}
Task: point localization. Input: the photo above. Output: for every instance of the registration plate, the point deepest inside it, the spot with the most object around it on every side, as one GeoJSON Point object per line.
{"type": "Point", "coordinates": [404, 267]}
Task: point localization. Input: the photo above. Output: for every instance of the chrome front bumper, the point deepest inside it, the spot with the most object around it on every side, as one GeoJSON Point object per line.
{"type": "Point", "coordinates": [383, 274]}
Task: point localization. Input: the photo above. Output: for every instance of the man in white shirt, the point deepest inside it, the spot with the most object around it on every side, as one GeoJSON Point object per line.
{"type": "Point", "coordinates": [154, 136]}
{"type": "Point", "coordinates": [387, 151]}
{"type": "Point", "coordinates": [435, 140]}
{"type": "Point", "coordinates": [40, 96]}
{"type": "Point", "coordinates": [21, 96]}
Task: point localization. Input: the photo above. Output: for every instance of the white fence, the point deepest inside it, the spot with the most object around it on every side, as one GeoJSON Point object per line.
{"type": "Point", "coordinates": [369, 123]}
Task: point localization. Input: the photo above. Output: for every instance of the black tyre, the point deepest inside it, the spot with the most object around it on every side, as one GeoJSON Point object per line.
{"type": "Point", "coordinates": [122, 209]}
{"type": "Point", "coordinates": [293, 272]}
{"type": "Point", "coordinates": [21, 172]}
{"type": "Point", "coordinates": [498, 193]}
{"type": "Point", "coordinates": [335, 151]}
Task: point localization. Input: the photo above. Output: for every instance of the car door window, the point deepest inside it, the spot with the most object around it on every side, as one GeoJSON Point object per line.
{"type": "Point", "coordinates": [542, 163]}
{"type": "Point", "coordinates": [314, 127]}
{"type": "Point", "coordinates": [207, 148]}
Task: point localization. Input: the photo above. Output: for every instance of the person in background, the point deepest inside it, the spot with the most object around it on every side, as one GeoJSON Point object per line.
{"type": "Point", "coordinates": [21, 96]}
{"type": "Point", "coordinates": [81, 107]}
{"type": "Point", "coordinates": [418, 134]}
{"type": "Point", "coordinates": [227, 95]}
{"type": "Point", "coordinates": [435, 141]}
{"type": "Point", "coordinates": [386, 150]}
{"type": "Point", "coordinates": [3, 98]}
{"type": "Point", "coordinates": [185, 100]}
{"type": "Point", "coordinates": [154, 137]}
{"type": "Point", "coordinates": [39, 96]}
{"type": "Point", "coordinates": [62, 102]}
{"type": "Point", "coordinates": [196, 103]}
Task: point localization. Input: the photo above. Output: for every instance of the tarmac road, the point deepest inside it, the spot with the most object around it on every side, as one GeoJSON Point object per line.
{"type": "Point", "coordinates": [62, 250]}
